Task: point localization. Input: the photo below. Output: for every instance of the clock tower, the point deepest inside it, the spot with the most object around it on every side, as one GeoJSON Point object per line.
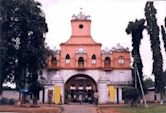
{"type": "Point", "coordinates": [81, 30]}
{"type": "Point", "coordinates": [81, 25]}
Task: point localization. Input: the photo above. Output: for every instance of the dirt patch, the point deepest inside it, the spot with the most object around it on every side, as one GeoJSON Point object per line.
{"type": "Point", "coordinates": [107, 110]}
{"type": "Point", "coordinates": [27, 109]}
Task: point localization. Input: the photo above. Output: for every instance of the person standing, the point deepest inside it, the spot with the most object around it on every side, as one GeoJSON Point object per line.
{"type": "Point", "coordinates": [80, 99]}
{"type": "Point", "coordinates": [96, 96]}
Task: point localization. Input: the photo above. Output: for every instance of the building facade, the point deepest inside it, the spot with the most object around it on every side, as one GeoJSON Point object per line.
{"type": "Point", "coordinates": [81, 67]}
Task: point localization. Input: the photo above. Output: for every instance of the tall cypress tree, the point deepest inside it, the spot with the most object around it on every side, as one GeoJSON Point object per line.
{"type": "Point", "coordinates": [163, 36]}
{"type": "Point", "coordinates": [153, 31]}
{"type": "Point", "coordinates": [135, 29]}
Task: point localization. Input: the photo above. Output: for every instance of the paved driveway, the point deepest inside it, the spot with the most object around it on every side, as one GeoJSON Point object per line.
{"type": "Point", "coordinates": [76, 108]}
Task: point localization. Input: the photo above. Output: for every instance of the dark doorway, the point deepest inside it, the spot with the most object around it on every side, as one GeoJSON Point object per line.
{"type": "Point", "coordinates": [78, 85]}
{"type": "Point", "coordinates": [117, 95]}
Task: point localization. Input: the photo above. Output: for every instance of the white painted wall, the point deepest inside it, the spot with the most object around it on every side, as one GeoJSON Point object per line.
{"type": "Point", "coordinates": [119, 75]}
{"type": "Point", "coordinates": [10, 94]}
{"type": "Point", "coordinates": [113, 76]}
{"type": "Point", "coordinates": [103, 92]}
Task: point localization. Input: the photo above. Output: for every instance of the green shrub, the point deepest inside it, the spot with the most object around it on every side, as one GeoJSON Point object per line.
{"type": "Point", "coordinates": [131, 94]}
{"type": "Point", "coordinates": [5, 101]}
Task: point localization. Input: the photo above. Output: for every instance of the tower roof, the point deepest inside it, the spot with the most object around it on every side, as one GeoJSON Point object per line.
{"type": "Point", "coordinates": [80, 16]}
{"type": "Point", "coordinates": [81, 40]}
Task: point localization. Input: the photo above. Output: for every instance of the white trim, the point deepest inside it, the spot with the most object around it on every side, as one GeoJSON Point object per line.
{"type": "Point", "coordinates": [121, 61]}
{"type": "Point", "coordinates": [80, 88]}
{"type": "Point", "coordinates": [67, 61]}
{"type": "Point", "coordinates": [93, 61]}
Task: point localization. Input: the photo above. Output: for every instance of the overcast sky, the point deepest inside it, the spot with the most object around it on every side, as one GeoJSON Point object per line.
{"type": "Point", "coordinates": [109, 21]}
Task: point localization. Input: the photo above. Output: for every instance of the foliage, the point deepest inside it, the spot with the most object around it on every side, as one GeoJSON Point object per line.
{"type": "Point", "coordinates": [149, 82]}
{"type": "Point", "coordinates": [6, 101]}
{"type": "Point", "coordinates": [164, 77]}
{"type": "Point", "coordinates": [135, 29]}
{"type": "Point", "coordinates": [163, 36]}
{"type": "Point", "coordinates": [23, 26]}
{"type": "Point", "coordinates": [153, 31]}
{"type": "Point", "coordinates": [131, 94]}
{"type": "Point", "coordinates": [165, 22]}
{"type": "Point", "coordinates": [7, 42]}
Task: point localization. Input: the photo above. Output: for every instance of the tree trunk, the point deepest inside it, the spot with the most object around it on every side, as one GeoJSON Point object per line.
{"type": "Point", "coordinates": [0, 91]}
{"type": "Point", "coordinates": [1, 88]}
{"type": "Point", "coordinates": [0, 58]}
{"type": "Point", "coordinates": [35, 98]}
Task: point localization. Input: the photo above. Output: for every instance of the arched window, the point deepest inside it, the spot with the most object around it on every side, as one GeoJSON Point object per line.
{"type": "Point", "coordinates": [67, 59]}
{"type": "Point", "coordinates": [81, 62]}
{"type": "Point", "coordinates": [121, 60]}
{"type": "Point", "coordinates": [53, 60]}
{"type": "Point", "coordinates": [93, 59]}
{"type": "Point", "coordinates": [107, 62]}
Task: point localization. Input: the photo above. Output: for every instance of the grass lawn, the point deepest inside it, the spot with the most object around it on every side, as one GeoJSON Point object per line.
{"type": "Point", "coordinates": [151, 109]}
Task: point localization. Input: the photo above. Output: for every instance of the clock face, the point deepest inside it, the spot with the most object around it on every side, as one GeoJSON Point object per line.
{"type": "Point", "coordinates": [81, 26]}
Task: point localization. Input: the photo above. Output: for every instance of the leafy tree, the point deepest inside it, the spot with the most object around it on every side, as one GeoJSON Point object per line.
{"type": "Point", "coordinates": [25, 24]}
{"type": "Point", "coordinates": [35, 87]}
{"type": "Point", "coordinates": [149, 83]}
{"type": "Point", "coordinates": [8, 43]}
{"type": "Point", "coordinates": [153, 31]}
{"type": "Point", "coordinates": [131, 94]}
{"type": "Point", "coordinates": [135, 29]}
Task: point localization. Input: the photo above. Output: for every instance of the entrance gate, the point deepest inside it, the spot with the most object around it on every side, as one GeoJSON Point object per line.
{"type": "Point", "coordinates": [78, 85]}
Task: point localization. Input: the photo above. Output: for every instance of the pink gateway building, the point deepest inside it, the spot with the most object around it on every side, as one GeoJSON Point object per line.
{"type": "Point", "coordinates": [80, 67]}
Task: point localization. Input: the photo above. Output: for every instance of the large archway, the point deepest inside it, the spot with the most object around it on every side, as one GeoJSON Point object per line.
{"type": "Point", "coordinates": [77, 85]}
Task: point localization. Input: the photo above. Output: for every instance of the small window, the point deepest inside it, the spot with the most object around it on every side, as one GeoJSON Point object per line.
{"type": "Point", "coordinates": [81, 62]}
{"type": "Point", "coordinates": [107, 62]}
{"type": "Point", "coordinates": [81, 26]}
{"type": "Point", "coordinates": [67, 59]}
{"type": "Point", "coordinates": [121, 60]}
{"type": "Point", "coordinates": [54, 60]}
{"type": "Point", "coordinates": [93, 59]}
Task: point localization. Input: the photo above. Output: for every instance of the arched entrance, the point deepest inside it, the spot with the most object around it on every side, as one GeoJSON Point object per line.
{"type": "Point", "coordinates": [77, 85]}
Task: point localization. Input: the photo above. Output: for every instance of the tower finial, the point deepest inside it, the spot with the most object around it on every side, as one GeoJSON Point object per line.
{"type": "Point", "coordinates": [80, 10]}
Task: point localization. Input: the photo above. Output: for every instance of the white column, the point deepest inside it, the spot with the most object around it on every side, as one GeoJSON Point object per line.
{"type": "Point", "coordinates": [120, 95]}
{"type": "Point", "coordinates": [59, 81]}
{"type": "Point", "coordinates": [46, 95]}
{"type": "Point", "coordinates": [103, 92]}
{"type": "Point", "coordinates": [115, 100]}
{"type": "Point", "coordinates": [40, 96]}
